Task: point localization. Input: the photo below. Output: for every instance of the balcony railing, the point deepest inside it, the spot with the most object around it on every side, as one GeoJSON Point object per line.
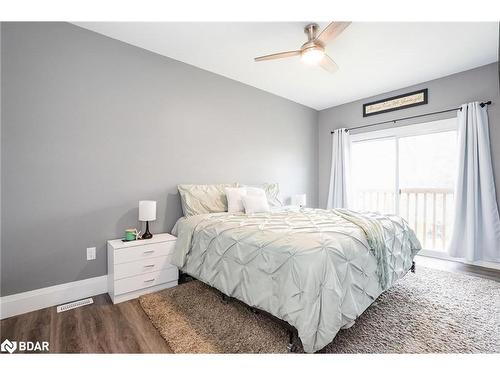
{"type": "Point", "coordinates": [429, 211]}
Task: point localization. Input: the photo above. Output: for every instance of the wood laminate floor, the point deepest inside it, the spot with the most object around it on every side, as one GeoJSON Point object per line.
{"type": "Point", "coordinates": [125, 328]}
{"type": "Point", "coordinates": [451, 266]}
{"type": "Point", "coordinates": [98, 328]}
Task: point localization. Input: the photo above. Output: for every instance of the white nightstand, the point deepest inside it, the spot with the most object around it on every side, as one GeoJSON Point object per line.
{"type": "Point", "coordinates": [140, 267]}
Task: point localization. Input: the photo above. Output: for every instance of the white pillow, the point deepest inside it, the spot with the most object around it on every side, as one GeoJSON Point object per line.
{"type": "Point", "coordinates": [203, 199]}
{"type": "Point", "coordinates": [255, 203]}
{"type": "Point", "coordinates": [256, 192]}
{"type": "Point", "coordinates": [273, 194]}
{"type": "Point", "coordinates": [234, 202]}
{"type": "Point", "coordinates": [271, 190]}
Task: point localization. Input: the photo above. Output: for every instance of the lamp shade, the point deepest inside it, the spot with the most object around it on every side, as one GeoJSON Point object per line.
{"type": "Point", "coordinates": [147, 210]}
{"type": "Point", "coordinates": [299, 200]}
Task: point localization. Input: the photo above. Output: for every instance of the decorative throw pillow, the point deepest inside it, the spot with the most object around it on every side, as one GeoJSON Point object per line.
{"type": "Point", "coordinates": [271, 190]}
{"type": "Point", "coordinates": [256, 191]}
{"type": "Point", "coordinates": [203, 199]}
{"type": "Point", "coordinates": [255, 204]}
{"type": "Point", "coordinates": [234, 199]}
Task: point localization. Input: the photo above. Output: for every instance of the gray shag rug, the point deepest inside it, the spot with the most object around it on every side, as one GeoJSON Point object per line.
{"type": "Point", "coordinates": [431, 311]}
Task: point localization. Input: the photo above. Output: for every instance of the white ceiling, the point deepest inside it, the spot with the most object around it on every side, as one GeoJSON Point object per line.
{"type": "Point", "coordinates": [373, 57]}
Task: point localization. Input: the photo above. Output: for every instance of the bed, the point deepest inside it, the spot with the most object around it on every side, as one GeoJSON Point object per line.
{"type": "Point", "coordinates": [315, 269]}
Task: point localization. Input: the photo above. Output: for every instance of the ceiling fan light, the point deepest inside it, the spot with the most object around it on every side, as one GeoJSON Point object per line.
{"type": "Point", "coordinates": [313, 55]}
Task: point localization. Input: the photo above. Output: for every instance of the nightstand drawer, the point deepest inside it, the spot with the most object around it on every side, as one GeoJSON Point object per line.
{"type": "Point", "coordinates": [141, 252]}
{"type": "Point", "coordinates": [145, 281]}
{"type": "Point", "coordinates": [139, 267]}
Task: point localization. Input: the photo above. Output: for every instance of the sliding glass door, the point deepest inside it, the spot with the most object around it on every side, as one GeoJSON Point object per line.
{"type": "Point", "coordinates": [409, 171]}
{"type": "Point", "coordinates": [373, 175]}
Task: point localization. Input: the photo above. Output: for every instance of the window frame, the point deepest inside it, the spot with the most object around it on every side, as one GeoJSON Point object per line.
{"type": "Point", "coordinates": [396, 133]}
{"type": "Point", "coordinates": [437, 126]}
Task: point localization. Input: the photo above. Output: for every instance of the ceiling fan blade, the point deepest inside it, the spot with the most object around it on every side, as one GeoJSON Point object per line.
{"type": "Point", "coordinates": [279, 55]}
{"type": "Point", "coordinates": [332, 31]}
{"type": "Point", "coordinates": [328, 64]}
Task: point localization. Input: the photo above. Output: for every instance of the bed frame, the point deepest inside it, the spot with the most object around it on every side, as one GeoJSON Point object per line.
{"type": "Point", "coordinates": [293, 335]}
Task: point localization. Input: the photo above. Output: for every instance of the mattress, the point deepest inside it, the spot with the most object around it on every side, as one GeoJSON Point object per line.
{"type": "Point", "coordinates": [312, 268]}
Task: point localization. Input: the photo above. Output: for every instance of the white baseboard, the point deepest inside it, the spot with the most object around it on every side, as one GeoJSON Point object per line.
{"type": "Point", "coordinates": [482, 263]}
{"type": "Point", "coordinates": [445, 256]}
{"type": "Point", "coordinates": [32, 300]}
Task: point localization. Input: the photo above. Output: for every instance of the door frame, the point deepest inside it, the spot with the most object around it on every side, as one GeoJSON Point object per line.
{"type": "Point", "coordinates": [430, 127]}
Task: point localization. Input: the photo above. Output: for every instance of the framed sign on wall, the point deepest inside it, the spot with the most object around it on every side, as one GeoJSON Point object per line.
{"type": "Point", "coordinates": [411, 99]}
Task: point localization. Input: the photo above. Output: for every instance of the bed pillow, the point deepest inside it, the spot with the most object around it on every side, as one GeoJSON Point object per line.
{"type": "Point", "coordinates": [203, 199]}
{"type": "Point", "coordinates": [256, 192]}
{"type": "Point", "coordinates": [255, 203]}
{"type": "Point", "coordinates": [234, 199]}
{"type": "Point", "coordinates": [272, 192]}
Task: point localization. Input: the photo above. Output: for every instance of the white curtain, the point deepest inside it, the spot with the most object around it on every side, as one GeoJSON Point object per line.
{"type": "Point", "coordinates": [340, 169]}
{"type": "Point", "coordinates": [476, 230]}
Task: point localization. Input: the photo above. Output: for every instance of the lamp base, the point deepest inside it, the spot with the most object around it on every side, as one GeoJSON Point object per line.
{"type": "Point", "coordinates": [147, 235]}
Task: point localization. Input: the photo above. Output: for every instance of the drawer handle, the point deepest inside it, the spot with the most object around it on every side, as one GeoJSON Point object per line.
{"type": "Point", "coordinates": [149, 281]}
{"type": "Point", "coordinates": [149, 265]}
{"type": "Point", "coordinates": [149, 251]}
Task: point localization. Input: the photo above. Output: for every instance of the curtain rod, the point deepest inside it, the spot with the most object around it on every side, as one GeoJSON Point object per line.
{"type": "Point", "coordinates": [482, 104]}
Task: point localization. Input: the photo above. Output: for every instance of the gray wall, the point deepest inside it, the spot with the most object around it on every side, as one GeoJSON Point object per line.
{"type": "Point", "coordinates": [90, 125]}
{"type": "Point", "coordinates": [447, 92]}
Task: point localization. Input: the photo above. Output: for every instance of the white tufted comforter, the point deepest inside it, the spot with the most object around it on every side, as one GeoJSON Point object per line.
{"type": "Point", "coordinates": [312, 268]}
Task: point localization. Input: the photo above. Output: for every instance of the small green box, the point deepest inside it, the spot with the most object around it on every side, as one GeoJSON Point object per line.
{"type": "Point", "coordinates": [131, 234]}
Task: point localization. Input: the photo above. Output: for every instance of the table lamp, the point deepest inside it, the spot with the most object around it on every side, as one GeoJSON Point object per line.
{"type": "Point", "coordinates": [147, 213]}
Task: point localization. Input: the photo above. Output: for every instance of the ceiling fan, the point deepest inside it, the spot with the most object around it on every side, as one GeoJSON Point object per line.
{"type": "Point", "coordinates": [313, 51]}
